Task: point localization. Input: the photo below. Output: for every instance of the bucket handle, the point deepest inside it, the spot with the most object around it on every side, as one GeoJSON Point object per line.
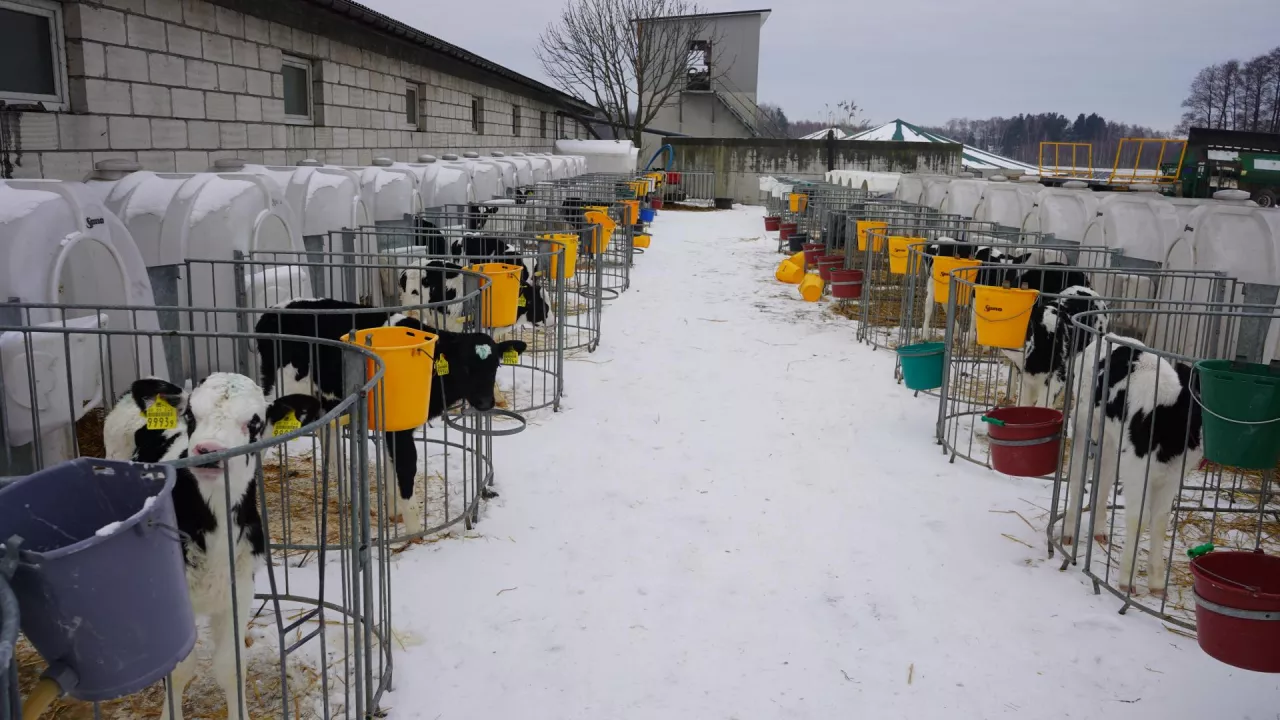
{"type": "Point", "coordinates": [1229, 581]}
{"type": "Point", "coordinates": [1195, 381]}
{"type": "Point", "coordinates": [1011, 317]}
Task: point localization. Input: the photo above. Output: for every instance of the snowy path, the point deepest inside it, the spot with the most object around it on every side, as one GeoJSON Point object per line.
{"type": "Point", "coordinates": [739, 515]}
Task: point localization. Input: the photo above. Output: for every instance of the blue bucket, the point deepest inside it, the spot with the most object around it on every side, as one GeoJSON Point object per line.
{"type": "Point", "coordinates": [647, 215]}
{"type": "Point", "coordinates": [922, 365]}
{"type": "Point", "coordinates": [101, 585]}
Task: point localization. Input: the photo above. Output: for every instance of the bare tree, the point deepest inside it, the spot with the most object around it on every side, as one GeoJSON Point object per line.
{"type": "Point", "coordinates": [773, 117]}
{"type": "Point", "coordinates": [1200, 101]}
{"type": "Point", "coordinates": [621, 57]}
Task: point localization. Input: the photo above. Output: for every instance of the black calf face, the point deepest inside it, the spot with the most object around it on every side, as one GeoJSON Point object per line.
{"type": "Point", "coordinates": [478, 372]}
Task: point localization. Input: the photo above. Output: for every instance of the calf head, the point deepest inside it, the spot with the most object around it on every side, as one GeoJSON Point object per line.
{"type": "Point", "coordinates": [225, 411]}
{"type": "Point", "coordinates": [427, 234]}
{"type": "Point", "coordinates": [473, 360]}
{"type": "Point", "coordinates": [434, 282]}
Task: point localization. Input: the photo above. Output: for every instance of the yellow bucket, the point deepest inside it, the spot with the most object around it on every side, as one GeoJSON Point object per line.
{"type": "Point", "coordinates": [499, 303]}
{"type": "Point", "coordinates": [633, 211]}
{"type": "Point", "coordinates": [799, 201]}
{"type": "Point", "coordinates": [811, 287]}
{"type": "Point", "coordinates": [899, 253]}
{"type": "Point", "coordinates": [570, 243]}
{"type": "Point", "coordinates": [943, 268]}
{"type": "Point", "coordinates": [641, 241]}
{"type": "Point", "coordinates": [405, 388]}
{"type": "Point", "coordinates": [798, 259]}
{"type": "Point", "coordinates": [789, 272]}
{"type": "Point", "coordinates": [604, 233]}
{"type": "Point", "coordinates": [1003, 315]}
{"type": "Point", "coordinates": [866, 225]}
{"type": "Point", "coordinates": [640, 187]}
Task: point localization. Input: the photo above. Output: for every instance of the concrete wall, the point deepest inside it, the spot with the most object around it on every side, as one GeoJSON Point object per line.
{"type": "Point", "coordinates": [739, 163]}
{"type": "Point", "coordinates": [177, 84]}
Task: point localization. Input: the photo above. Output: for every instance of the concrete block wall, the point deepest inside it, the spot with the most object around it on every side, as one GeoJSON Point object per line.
{"type": "Point", "coordinates": [739, 163]}
{"type": "Point", "coordinates": [178, 84]}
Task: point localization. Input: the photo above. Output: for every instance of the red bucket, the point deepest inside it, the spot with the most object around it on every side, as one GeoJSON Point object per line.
{"type": "Point", "coordinates": [771, 223]}
{"type": "Point", "coordinates": [827, 263]}
{"type": "Point", "coordinates": [813, 251]}
{"type": "Point", "coordinates": [1238, 608]}
{"type": "Point", "coordinates": [1025, 441]}
{"type": "Point", "coordinates": [786, 229]}
{"type": "Point", "coordinates": [673, 178]}
{"type": "Point", "coordinates": [655, 203]}
{"type": "Point", "coordinates": [846, 284]}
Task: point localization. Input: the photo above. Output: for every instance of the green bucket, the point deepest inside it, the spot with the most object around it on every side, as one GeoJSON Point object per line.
{"type": "Point", "coordinates": [1241, 403]}
{"type": "Point", "coordinates": [922, 365]}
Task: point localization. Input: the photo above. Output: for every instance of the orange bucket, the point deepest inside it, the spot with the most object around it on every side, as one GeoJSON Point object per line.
{"type": "Point", "coordinates": [570, 243]}
{"type": "Point", "coordinates": [405, 388]}
{"type": "Point", "coordinates": [944, 268]}
{"type": "Point", "coordinates": [499, 302]}
{"type": "Point", "coordinates": [604, 228]}
{"type": "Point", "coordinates": [899, 251]}
{"type": "Point", "coordinates": [633, 211]}
{"type": "Point", "coordinates": [878, 243]}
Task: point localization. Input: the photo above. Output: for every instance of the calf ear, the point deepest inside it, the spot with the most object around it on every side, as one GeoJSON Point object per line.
{"type": "Point", "coordinates": [304, 407]}
{"type": "Point", "coordinates": [146, 390]}
{"type": "Point", "coordinates": [518, 345]}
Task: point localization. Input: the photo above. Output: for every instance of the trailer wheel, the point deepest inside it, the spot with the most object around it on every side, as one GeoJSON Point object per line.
{"type": "Point", "coordinates": [1266, 198]}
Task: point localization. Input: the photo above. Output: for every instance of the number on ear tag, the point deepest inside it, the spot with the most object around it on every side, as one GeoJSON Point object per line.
{"type": "Point", "coordinates": [442, 365]}
{"type": "Point", "coordinates": [286, 425]}
{"type": "Point", "coordinates": [510, 357]}
{"type": "Point", "coordinates": [161, 415]}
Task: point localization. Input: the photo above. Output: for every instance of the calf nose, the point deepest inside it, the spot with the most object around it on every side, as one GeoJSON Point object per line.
{"type": "Point", "coordinates": [208, 448]}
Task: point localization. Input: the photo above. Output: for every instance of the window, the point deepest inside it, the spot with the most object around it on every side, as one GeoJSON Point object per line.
{"type": "Point", "coordinates": [560, 126]}
{"type": "Point", "coordinates": [542, 124]}
{"type": "Point", "coordinates": [700, 65]}
{"type": "Point", "coordinates": [32, 59]}
{"type": "Point", "coordinates": [412, 106]}
{"type": "Point", "coordinates": [477, 115]}
{"type": "Point", "coordinates": [515, 120]}
{"type": "Point", "coordinates": [297, 89]}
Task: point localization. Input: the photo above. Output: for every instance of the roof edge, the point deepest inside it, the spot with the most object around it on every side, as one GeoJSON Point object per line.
{"type": "Point", "coordinates": [394, 28]}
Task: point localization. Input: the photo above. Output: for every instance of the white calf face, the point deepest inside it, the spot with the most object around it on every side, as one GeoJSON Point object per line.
{"type": "Point", "coordinates": [225, 411]}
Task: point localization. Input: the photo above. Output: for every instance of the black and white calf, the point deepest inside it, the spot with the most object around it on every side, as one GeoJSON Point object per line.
{"type": "Point", "coordinates": [1148, 431]}
{"type": "Point", "coordinates": [1053, 343]}
{"type": "Point", "coordinates": [533, 309]}
{"type": "Point", "coordinates": [291, 366]}
{"type": "Point", "coordinates": [223, 412]}
{"type": "Point", "coordinates": [434, 281]}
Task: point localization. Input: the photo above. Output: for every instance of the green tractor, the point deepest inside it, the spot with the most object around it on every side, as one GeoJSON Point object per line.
{"type": "Point", "coordinates": [1231, 159]}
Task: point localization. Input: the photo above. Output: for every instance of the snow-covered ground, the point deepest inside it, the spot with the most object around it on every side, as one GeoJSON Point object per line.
{"type": "Point", "coordinates": [738, 514]}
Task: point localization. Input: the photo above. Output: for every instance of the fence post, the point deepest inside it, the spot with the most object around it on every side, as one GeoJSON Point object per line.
{"type": "Point", "coordinates": [831, 150]}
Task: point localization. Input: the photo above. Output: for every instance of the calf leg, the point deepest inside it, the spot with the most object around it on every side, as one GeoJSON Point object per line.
{"type": "Point", "coordinates": [177, 683]}
{"type": "Point", "coordinates": [929, 304]}
{"type": "Point", "coordinates": [1164, 490]}
{"type": "Point", "coordinates": [228, 635]}
{"type": "Point", "coordinates": [403, 451]}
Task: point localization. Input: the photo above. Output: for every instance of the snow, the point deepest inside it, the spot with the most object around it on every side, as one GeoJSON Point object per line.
{"type": "Point", "coordinates": [17, 204]}
{"type": "Point", "coordinates": [318, 181]}
{"type": "Point", "coordinates": [108, 529]}
{"type": "Point", "coordinates": [739, 514]}
{"type": "Point", "coordinates": [214, 196]}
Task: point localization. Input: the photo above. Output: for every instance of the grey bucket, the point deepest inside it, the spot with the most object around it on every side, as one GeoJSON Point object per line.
{"type": "Point", "coordinates": [109, 612]}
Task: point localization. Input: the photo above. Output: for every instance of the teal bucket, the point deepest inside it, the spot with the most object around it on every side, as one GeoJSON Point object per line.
{"type": "Point", "coordinates": [1241, 403]}
{"type": "Point", "coordinates": [922, 365]}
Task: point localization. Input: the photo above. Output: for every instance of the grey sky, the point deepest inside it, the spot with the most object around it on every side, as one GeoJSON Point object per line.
{"type": "Point", "coordinates": [926, 61]}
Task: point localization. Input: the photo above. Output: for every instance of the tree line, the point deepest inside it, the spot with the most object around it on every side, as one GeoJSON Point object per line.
{"type": "Point", "coordinates": [1236, 96]}
{"type": "Point", "coordinates": [1019, 137]}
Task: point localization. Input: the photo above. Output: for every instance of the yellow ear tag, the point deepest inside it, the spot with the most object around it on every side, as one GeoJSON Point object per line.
{"type": "Point", "coordinates": [286, 425]}
{"type": "Point", "coordinates": [161, 415]}
{"type": "Point", "coordinates": [442, 366]}
{"type": "Point", "coordinates": [522, 302]}
{"type": "Point", "coordinates": [510, 357]}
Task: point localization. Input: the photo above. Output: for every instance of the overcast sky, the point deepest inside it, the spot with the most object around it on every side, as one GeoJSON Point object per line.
{"type": "Point", "coordinates": [926, 61]}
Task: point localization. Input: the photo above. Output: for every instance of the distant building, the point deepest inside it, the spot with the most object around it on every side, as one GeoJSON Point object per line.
{"type": "Point", "coordinates": [719, 101]}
